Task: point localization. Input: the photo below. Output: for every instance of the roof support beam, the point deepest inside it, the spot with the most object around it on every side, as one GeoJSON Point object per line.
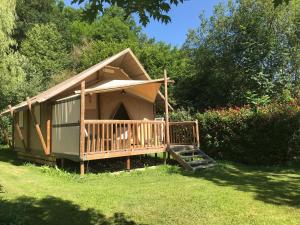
{"type": "Point", "coordinates": [17, 126]}
{"type": "Point", "coordinates": [166, 112]}
{"type": "Point", "coordinates": [46, 148]}
{"type": "Point", "coordinates": [82, 126]}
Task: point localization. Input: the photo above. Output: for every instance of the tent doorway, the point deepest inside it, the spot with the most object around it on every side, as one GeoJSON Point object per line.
{"type": "Point", "coordinates": [121, 113]}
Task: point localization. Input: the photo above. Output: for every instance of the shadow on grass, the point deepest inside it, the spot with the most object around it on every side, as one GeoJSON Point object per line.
{"type": "Point", "coordinates": [52, 210]}
{"type": "Point", "coordinates": [9, 156]}
{"type": "Point", "coordinates": [113, 164]}
{"type": "Point", "coordinates": [94, 166]}
{"type": "Point", "coordinates": [273, 185]}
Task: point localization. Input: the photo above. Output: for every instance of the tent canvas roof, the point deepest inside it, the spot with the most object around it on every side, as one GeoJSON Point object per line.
{"type": "Point", "coordinates": [146, 89]}
{"type": "Point", "coordinates": [135, 68]}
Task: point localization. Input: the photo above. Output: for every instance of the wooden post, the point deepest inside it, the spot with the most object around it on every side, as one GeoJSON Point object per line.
{"type": "Point", "coordinates": [18, 128]}
{"type": "Point", "coordinates": [81, 167]}
{"type": "Point", "coordinates": [128, 163]}
{"type": "Point", "coordinates": [197, 134]}
{"type": "Point", "coordinates": [48, 135]}
{"type": "Point", "coordinates": [37, 128]}
{"type": "Point", "coordinates": [82, 126]}
{"type": "Point", "coordinates": [166, 114]}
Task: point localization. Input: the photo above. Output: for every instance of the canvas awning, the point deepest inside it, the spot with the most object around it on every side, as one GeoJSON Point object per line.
{"type": "Point", "coordinates": [146, 89]}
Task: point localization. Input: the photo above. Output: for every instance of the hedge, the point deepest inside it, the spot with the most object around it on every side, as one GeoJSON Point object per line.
{"type": "Point", "coordinates": [270, 135]}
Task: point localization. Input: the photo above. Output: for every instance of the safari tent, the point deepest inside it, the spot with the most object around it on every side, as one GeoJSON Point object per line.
{"type": "Point", "coordinates": [108, 110]}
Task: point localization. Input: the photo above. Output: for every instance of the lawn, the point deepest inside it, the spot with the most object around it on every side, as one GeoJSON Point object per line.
{"type": "Point", "coordinates": [226, 194]}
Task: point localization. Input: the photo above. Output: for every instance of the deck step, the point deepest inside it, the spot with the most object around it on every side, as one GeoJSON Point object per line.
{"type": "Point", "coordinates": [199, 162]}
{"type": "Point", "coordinates": [184, 152]}
{"type": "Point", "coordinates": [191, 157]}
{"type": "Point", "coordinates": [203, 166]}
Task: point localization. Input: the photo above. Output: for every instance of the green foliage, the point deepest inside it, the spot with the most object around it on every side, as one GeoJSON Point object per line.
{"type": "Point", "coordinates": [270, 135]}
{"type": "Point", "coordinates": [181, 114]}
{"type": "Point", "coordinates": [13, 86]}
{"type": "Point", "coordinates": [156, 9]}
{"type": "Point", "coordinates": [245, 47]}
{"type": "Point", "coordinates": [46, 50]}
{"type": "Point", "coordinates": [31, 12]}
{"type": "Point", "coordinates": [109, 27]}
{"type": "Point", "coordinates": [254, 101]}
{"type": "Point", "coordinates": [7, 23]}
{"type": "Point", "coordinates": [12, 75]}
{"type": "Point", "coordinates": [13, 79]}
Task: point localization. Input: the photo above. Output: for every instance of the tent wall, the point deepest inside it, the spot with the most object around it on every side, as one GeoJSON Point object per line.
{"type": "Point", "coordinates": [138, 109]}
{"type": "Point", "coordinates": [24, 129]}
{"type": "Point", "coordinates": [28, 129]}
{"type": "Point", "coordinates": [92, 107]}
{"type": "Point", "coordinates": [65, 127]}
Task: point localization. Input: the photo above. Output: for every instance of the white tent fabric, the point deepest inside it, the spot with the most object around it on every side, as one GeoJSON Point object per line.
{"type": "Point", "coordinates": [146, 89]}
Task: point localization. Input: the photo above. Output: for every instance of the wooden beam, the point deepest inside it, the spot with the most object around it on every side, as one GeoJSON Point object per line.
{"type": "Point", "coordinates": [17, 126]}
{"type": "Point", "coordinates": [81, 168]}
{"type": "Point", "coordinates": [197, 133]}
{"type": "Point", "coordinates": [82, 116]}
{"type": "Point", "coordinates": [37, 128]}
{"type": "Point", "coordinates": [48, 136]}
{"type": "Point", "coordinates": [166, 108]}
{"type": "Point", "coordinates": [128, 163]}
{"type": "Point", "coordinates": [166, 113]}
{"type": "Point", "coordinates": [122, 153]}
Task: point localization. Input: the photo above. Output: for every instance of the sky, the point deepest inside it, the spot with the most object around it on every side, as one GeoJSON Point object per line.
{"type": "Point", "coordinates": [184, 17]}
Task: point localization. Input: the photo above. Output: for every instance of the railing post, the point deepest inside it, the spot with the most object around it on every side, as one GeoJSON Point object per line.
{"type": "Point", "coordinates": [197, 134]}
{"type": "Point", "coordinates": [166, 113]}
{"type": "Point", "coordinates": [82, 127]}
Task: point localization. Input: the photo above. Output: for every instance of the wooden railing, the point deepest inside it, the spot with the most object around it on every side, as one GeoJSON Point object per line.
{"type": "Point", "coordinates": [118, 135]}
{"type": "Point", "coordinates": [184, 133]}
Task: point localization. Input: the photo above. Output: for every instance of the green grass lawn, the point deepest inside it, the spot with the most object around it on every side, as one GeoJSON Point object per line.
{"type": "Point", "coordinates": [225, 194]}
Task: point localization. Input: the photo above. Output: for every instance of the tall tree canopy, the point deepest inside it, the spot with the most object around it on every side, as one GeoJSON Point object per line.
{"type": "Point", "coordinates": [156, 9]}
{"type": "Point", "coordinates": [46, 50]}
{"type": "Point", "coordinates": [12, 75]}
{"type": "Point", "coordinates": [246, 50]}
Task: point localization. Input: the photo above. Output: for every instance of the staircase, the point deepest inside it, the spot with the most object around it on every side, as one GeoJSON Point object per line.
{"type": "Point", "coordinates": [191, 157]}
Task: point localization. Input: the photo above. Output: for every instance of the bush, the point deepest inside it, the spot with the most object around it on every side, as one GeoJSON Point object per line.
{"type": "Point", "coordinates": [181, 114]}
{"type": "Point", "coordinates": [5, 131]}
{"type": "Point", "coordinates": [270, 135]}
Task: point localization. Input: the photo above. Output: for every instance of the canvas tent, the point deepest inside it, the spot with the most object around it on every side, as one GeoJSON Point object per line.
{"type": "Point", "coordinates": [105, 111]}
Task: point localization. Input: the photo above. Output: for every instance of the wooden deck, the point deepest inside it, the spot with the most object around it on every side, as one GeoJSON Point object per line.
{"type": "Point", "coordinates": [118, 138]}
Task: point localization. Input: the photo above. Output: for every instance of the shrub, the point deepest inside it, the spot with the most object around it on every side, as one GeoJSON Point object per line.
{"type": "Point", "coordinates": [181, 114]}
{"type": "Point", "coordinates": [269, 135]}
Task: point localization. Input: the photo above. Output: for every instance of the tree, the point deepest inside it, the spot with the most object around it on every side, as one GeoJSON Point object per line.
{"type": "Point", "coordinates": [145, 9]}
{"type": "Point", "coordinates": [111, 26]}
{"type": "Point", "coordinates": [12, 75]}
{"type": "Point", "coordinates": [12, 86]}
{"type": "Point", "coordinates": [46, 50]}
{"type": "Point", "coordinates": [31, 12]}
{"type": "Point", "coordinates": [247, 48]}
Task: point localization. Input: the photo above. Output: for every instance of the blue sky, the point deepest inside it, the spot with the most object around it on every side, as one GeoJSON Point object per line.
{"type": "Point", "coordinates": [184, 17]}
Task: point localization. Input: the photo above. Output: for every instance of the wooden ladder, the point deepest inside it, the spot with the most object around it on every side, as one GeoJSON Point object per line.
{"type": "Point", "coordinates": [191, 157]}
